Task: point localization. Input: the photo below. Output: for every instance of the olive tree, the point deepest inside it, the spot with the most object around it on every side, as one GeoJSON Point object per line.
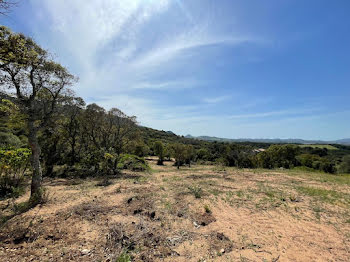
{"type": "Point", "coordinates": [30, 75]}
{"type": "Point", "coordinates": [159, 150]}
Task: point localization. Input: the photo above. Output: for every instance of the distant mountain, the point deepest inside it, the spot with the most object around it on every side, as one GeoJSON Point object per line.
{"type": "Point", "coordinates": [271, 141]}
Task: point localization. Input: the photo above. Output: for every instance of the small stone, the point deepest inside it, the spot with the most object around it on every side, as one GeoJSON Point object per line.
{"type": "Point", "coordinates": [222, 251]}
{"type": "Point", "coordinates": [85, 252]}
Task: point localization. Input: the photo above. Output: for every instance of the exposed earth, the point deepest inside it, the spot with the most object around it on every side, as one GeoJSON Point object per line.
{"type": "Point", "coordinates": [202, 213]}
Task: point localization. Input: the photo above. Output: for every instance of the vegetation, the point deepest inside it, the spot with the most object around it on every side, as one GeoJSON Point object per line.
{"type": "Point", "coordinates": [41, 116]}
{"type": "Point", "coordinates": [13, 165]}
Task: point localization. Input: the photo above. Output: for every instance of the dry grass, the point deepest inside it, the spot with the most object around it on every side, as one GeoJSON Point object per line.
{"type": "Point", "coordinates": [202, 213]}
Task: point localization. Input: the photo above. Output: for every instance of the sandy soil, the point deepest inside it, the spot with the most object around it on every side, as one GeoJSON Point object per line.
{"type": "Point", "coordinates": [202, 213]}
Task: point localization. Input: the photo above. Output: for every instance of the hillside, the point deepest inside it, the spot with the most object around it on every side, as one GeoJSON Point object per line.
{"type": "Point", "coordinates": [203, 213]}
{"type": "Point", "coordinates": [345, 141]}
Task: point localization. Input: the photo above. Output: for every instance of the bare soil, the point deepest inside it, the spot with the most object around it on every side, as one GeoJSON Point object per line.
{"type": "Point", "coordinates": [202, 213]}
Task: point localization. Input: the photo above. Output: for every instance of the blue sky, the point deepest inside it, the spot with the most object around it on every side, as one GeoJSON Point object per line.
{"type": "Point", "coordinates": [257, 69]}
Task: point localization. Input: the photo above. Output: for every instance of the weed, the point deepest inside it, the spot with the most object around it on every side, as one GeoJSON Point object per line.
{"type": "Point", "coordinates": [118, 190]}
{"type": "Point", "coordinates": [207, 209]}
{"type": "Point", "coordinates": [196, 191]}
{"type": "Point", "coordinates": [318, 210]}
{"type": "Point", "coordinates": [123, 257]}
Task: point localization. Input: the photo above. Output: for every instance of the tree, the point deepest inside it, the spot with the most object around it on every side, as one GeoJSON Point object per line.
{"type": "Point", "coordinates": [119, 132]}
{"type": "Point", "coordinates": [345, 165]}
{"type": "Point", "coordinates": [203, 154]}
{"type": "Point", "coordinates": [28, 73]}
{"type": "Point", "coordinates": [179, 154]}
{"type": "Point", "coordinates": [11, 124]}
{"type": "Point", "coordinates": [189, 154]}
{"type": "Point", "coordinates": [159, 150]}
{"type": "Point", "coordinates": [72, 126]}
{"type": "Point", "coordinates": [5, 6]}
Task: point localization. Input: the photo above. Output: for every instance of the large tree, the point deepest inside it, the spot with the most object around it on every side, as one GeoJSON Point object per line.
{"type": "Point", "coordinates": [37, 83]}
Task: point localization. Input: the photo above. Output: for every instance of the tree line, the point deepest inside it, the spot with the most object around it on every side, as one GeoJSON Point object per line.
{"type": "Point", "coordinates": [44, 125]}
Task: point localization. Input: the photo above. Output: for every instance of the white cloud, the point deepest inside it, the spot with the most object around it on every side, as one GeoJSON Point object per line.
{"type": "Point", "coordinates": [214, 100]}
{"type": "Point", "coordinates": [117, 50]}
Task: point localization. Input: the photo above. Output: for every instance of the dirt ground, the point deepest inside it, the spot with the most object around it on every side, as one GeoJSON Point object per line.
{"type": "Point", "coordinates": [202, 213]}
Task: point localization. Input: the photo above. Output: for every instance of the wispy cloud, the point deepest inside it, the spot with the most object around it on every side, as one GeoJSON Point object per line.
{"type": "Point", "coordinates": [167, 85]}
{"type": "Point", "coordinates": [120, 45]}
{"type": "Point", "coordinates": [214, 100]}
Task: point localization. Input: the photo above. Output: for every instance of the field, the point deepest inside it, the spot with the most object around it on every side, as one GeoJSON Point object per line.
{"type": "Point", "coordinates": [329, 147]}
{"type": "Point", "coordinates": [202, 213]}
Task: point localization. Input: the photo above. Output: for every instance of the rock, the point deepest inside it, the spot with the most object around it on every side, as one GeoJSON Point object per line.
{"type": "Point", "coordinates": [222, 251]}
{"type": "Point", "coordinates": [85, 252]}
{"type": "Point", "coordinates": [196, 225]}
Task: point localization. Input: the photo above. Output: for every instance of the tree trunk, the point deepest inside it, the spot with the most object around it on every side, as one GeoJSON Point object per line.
{"type": "Point", "coordinates": [35, 193]}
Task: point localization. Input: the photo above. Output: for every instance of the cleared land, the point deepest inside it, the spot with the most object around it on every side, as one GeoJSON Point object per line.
{"type": "Point", "coordinates": [329, 147]}
{"type": "Point", "coordinates": [202, 213]}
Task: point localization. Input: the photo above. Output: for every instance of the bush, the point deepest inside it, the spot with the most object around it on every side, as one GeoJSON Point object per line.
{"type": "Point", "coordinates": [9, 139]}
{"type": "Point", "coordinates": [278, 156]}
{"type": "Point", "coordinates": [132, 162]}
{"type": "Point", "coordinates": [316, 162]}
{"type": "Point", "coordinates": [123, 257]}
{"type": "Point", "coordinates": [345, 165]}
{"type": "Point", "coordinates": [196, 191]}
{"type": "Point", "coordinates": [13, 165]}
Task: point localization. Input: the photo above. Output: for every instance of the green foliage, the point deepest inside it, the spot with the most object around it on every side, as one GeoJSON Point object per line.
{"type": "Point", "coordinates": [345, 165]}
{"type": "Point", "coordinates": [189, 154]}
{"type": "Point", "coordinates": [203, 154]}
{"type": "Point", "coordinates": [179, 154]}
{"type": "Point", "coordinates": [123, 257]}
{"type": "Point", "coordinates": [159, 151]}
{"type": "Point", "coordinates": [13, 164]}
{"type": "Point", "coordinates": [132, 162]}
{"type": "Point", "coordinates": [278, 156]}
{"type": "Point", "coordinates": [239, 156]}
{"type": "Point", "coordinates": [207, 209]}
{"type": "Point", "coordinates": [196, 191]}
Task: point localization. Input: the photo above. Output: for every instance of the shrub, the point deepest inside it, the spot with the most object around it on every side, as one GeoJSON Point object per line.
{"type": "Point", "coordinates": [132, 162]}
{"type": "Point", "coordinates": [345, 165]}
{"type": "Point", "coordinates": [207, 209]}
{"type": "Point", "coordinates": [13, 165]}
{"type": "Point", "coordinates": [196, 191]}
{"type": "Point", "coordinates": [123, 257]}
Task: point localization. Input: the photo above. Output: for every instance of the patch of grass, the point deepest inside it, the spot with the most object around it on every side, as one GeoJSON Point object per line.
{"type": "Point", "coordinates": [196, 191]}
{"type": "Point", "coordinates": [342, 179]}
{"type": "Point", "coordinates": [167, 204]}
{"type": "Point", "coordinates": [240, 193]}
{"type": "Point", "coordinates": [325, 195]}
{"type": "Point", "coordinates": [318, 210]}
{"type": "Point", "coordinates": [123, 257]}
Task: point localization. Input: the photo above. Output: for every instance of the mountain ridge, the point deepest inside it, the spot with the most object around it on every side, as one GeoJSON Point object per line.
{"type": "Point", "coordinates": [345, 141]}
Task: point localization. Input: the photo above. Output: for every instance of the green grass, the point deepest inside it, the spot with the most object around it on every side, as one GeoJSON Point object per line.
{"type": "Point", "coordinates": [343, 179]}
{"type": "Point", "coordinates": [325, 195]}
